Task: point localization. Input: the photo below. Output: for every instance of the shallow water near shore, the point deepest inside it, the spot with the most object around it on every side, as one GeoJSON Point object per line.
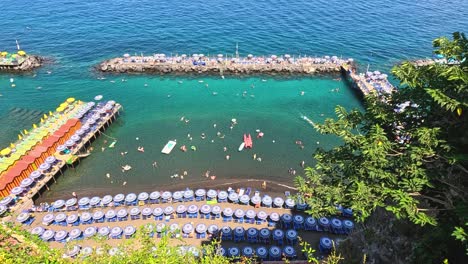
{"type": "Point", "coordinates": [80, 34]}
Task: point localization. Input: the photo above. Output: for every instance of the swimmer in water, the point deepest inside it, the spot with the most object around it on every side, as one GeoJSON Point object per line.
{"type": "Point", "coordinates": [302, 93]}
{"type": "Point", "coordinates": [225, 149]}
{"type": "Point", "coordinates": [228, 157]}
{"type": "Point", "coordinates": [203, 136]}
{"type": "Point", "coordinates": [255, 156]}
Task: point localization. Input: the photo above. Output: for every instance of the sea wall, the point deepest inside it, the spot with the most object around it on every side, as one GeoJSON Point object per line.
{"type": "Point", "coordinates": [218, 66]}
{"type": "Point", "coordinates": [29, 63]}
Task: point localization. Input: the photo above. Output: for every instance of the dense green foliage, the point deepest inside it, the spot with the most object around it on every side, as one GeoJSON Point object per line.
{"type": "Point", "coordinates": [407, 153]}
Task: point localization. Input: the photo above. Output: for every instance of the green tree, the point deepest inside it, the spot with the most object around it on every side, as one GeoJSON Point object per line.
{"type": "Point", "coordinates": [406, 153]}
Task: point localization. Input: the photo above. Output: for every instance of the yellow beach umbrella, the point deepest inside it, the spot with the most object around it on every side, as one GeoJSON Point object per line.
{"type": "Point", "coordinates": [5, 151]}
{"type": "Point", "coordinates": [42, 120]}
{"type": "Point", "coordinates": [20, 137]}
{"type": "Point", "coordinates": [70, 100]}
{"type": "Point", "coordinates": [12, 145]}
{"type": "Point", "coordinates": [45, 116]}
{"type": "Point", "coordinates": [60, 109]}
{"type": "Point", "coordinates": [50, 113]}
{"type": "Point", "coordinates": [4, 53]}
{"type": "Point", "coordinates": [34, 126]}
{"type": "Point", "coordinates": [25, 132]}
{"type": "Point", "coordinates": [21, 53]}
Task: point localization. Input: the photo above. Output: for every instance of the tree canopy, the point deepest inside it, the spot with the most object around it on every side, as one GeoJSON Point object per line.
{"type": "Point", "coordinates": [407, 153]}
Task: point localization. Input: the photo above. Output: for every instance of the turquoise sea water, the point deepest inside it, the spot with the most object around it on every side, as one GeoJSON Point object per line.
{"type": "Point", "coordinates": [79, 34]}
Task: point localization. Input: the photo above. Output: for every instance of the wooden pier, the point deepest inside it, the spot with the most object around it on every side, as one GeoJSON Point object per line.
{"type": "Point", "coordinates": [370, 83]}
{"type": "Point", "coordinates": [64, 161]}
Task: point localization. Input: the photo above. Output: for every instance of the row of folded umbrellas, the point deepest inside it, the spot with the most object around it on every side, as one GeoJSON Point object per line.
{"type": "Point", "coordinates": [115, 232]}
{"type": "Point", "coordinates": [51, 160]}
{"type": "Point", "coordinates": [248, 251]}
{"type": "Point", "coordinates": [192, 209]}
{"type": "Point", "coordinates": [188, 194]}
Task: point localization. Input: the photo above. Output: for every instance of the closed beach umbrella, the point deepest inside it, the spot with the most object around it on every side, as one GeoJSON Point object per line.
{"type": "Point", "coordinates": [200, 192]}
{"type": "Point", "coordinates": [61, 234]}
{"type": "Point", "coordinates": [247, 251]}
{"type": "Point", "coordinates": [266, 200]}
{"type": "Point", "coordinates": [274, 56]}
{"type": "Point", "coordinates": [86, 216]}
{"type": "Point", "coordinates": [35, 175]}
{"type": "Point", "coordinates": [72, 218]}
{"type": "Point", "coordinates": [116, 231]}
{"type": "Point", "coordinates": [17, 190]}
{"type": "Point", "coordinates": [126, 55]}
{"type": "Point", "coordinates": [239, 213]}
{"type": "Point", "coordinates": [275, 252]}
{"type": "Point", "coordinates": [104, 231]}
{"type": "Point", "coordinates": [228, 211]}
{"type": "Point", "coordinates": [135, 211]}
{"type": "Point", "coordinates": [157, 211]}
{"type": "Point", "coordinates": [86, 251]}
{"type": "Point", "coordinates": [222, 195]}
{"type": "Point", "coordinates": [250, 56]}
{"type": "Point", "coordinates": [94, 201]}
{"type": "Point", "coordinates": [174, 227]}
{"type": "Point", "coordinates": [98, 215]}
{"type": "Point", "coordinates": [278, 201]}
{"type": "Point", "coordinates": [58, 204]}
{"type": "Point", "coordinates": [60, 217]}
{"type": "Point", "coordinates": [48, 219]}
{"type": "Point", "coordinates": [168, 210]}
{"type": "Point", "coordinates": [160, 227]}
{"type": "Point", "coordinates": [26, 183]}
{"type": "Point", "coordinates": [256, 199]}
{"type": "Point", "coordinates": [336, 223]}
{"type": "Point", "coordinates": [213, 229]}
{"type": "Point", "coordinates": [6, 201]}
{"type": "Point", "coordinates": [233, 197]}
{"type": "Point", "coordinates": [287, 218]}
{"type": "Point", "coordinates": [89, 231]}
{"type": "Point", "coordinates": [290, 203]}
{"type": "Point", "coordinates": [110, 214]}
{"type": "Point", "coordinates": [143, 196]}
{"type": "Point", "coordinates": [129, 230]}
{"type": "Point", "coordinates": [71, 202]}
{"type": "Point", "coordinates": [265, 233]}
{"type": "Point", "coordinates": [211, 194]}
{"type": "Point", "coordinates": [75, 138]}
{"type": "Point", "coordinates": [107, 199]}
{"type": "Point", "coordinates": [324, 221]}
{"type": "Point", "coordinates": [201, 228]}
{"type": "Point", "coordinates": [250, 214]}
{"type": "Point", "coordinates": [287, 56]}
{"type": "Point", "coordinates": [262, 215]}
{"type": "Point", "coordinates": [47, 235]}
{"type": "Point", "coordinates": [131, 197]}
{"type": "Point", "coordinates": [23, 217]}
{"type": "Point", "coordinates": [326, 243]}
{"type": "Point", "coordinates": [262, 252]}
{"type": "Point", "coordinates": [122, 213]}
{"type": "Point", "coordinates": [187, 228]}
{"type": "Point", "coordinates": [220, 55]}
{"type": "Point", "coordinates": [188, 194]}
{"type": "Point", "coordinates": [166, 195]}
{"type": "Point", "coordinates": [147, 211]}
{"type": "Point", "coordinates": [177, 195]}
{"type": "Point", "coordinates": [119, 198]}
{"type": "Point", "coordinates": [184, 55]}
{"type": "Point", "coordinates": [216, 210]}
{"type": "Point", "coordinates": [155, 195]}
{"type": "Point", "coordinates": [233, 252]}
{"type": "Point", "coordinates": [38, 230]}
{"type": "Point", "coordinates": [205, 209]}
{"type": "Point", "coordinates": [50, 159]}
{"type": "Point", "coordinates": [298, 219]}
{"type": "Point", "coordinates": [69, 143]}
{"type": "Point", "coordinates": [181, 209]}
{"type": "Point", "coordinates": [61, 148]}
{"type": "Point", "coordinates": [44, 166]}
{"type": "Point", "coordinates": [83, 201]}
{"type": "Point", "coordinates": [192, 209]}
{"type": "Point", "coordinates": [245, 199]}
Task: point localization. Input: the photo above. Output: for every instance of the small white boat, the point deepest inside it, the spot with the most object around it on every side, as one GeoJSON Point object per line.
{"type": "Point", "coordinates": [98, 97]}
{"type": "Point", "coordinates": [169, 147]}
{"type": "Point", "coordinates": [126, 167]}
{"type": "Point", "coordinates": [241, 147]}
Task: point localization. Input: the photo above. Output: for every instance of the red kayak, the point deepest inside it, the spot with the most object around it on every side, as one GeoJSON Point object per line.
{"type": "Point", "coordinates": [247, 141]}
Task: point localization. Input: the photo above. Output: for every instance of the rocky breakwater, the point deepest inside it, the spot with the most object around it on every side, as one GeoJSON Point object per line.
{"type": "Point", "coordinates": [219, 66]}
{"type": "Point", "coordinates": [24, 64]}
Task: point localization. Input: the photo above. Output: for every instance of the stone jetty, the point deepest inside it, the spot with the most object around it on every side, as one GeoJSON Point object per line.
{"type": "Point", "coordinates": [220, 65]}
{"type": "Point", "coordinates": [23, 64]}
